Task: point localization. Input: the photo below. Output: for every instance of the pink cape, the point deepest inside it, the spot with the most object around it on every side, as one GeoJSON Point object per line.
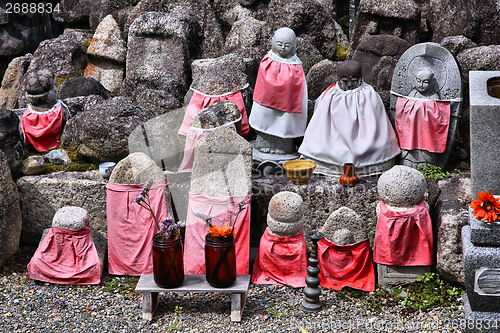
{"type": "Point", "coordinates": [42, 130]}
{"type": "Point", "coordinates": [199, 101]}
{"type": "Point", "coordinates": [131, 227]}
{"type": "Point", "coordinates": [192, 137]}
{"type": "Point", "coordinates": [279, 85]}
{"type": "Point", "coordinates": [66, 257]}
{"type": "Point", "coordinates": [346, 265]}
{"type": "Point", "coordinates": [281, 260]}
{"type": "Point", "coordinates": [222, 210]}
{"type": "Point", "coordinates": [404, 238]}
{"type": "Point", "coordinates": [422, 124]}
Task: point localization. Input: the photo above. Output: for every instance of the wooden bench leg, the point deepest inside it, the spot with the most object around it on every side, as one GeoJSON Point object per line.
{"type": "Point", "coordinates": [149, 304]}
{"type": "Point", "coordinates": [237, 305]}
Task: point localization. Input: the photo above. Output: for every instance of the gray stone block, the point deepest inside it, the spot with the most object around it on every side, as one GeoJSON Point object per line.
{"type": "Point", "coordinates": [481, 274]}
{"type": "Point", "coordinates": [482, 233]}
{"type": "Point", "coordinates": [484, 125]}
{"type": "Point", "coordinates": [396, 275]}
{"type": "Point", "coordinates": [477, 321]}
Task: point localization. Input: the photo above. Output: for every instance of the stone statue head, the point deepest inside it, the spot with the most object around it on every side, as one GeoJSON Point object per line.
{"type": "Point", "coordinates": [349, 75]}
{"type": "Point", "coordinates": [424, 81]}
{"type": "Point", "coordinates": [284, 43]}
{"type": "Point", "coordinates": [39, 85]}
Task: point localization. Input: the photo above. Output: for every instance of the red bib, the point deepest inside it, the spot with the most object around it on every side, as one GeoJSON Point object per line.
{"type": "Point", "coordinates": [42, 130]}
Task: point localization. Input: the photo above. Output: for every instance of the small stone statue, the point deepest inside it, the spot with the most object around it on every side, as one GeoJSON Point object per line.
{"type": "Point", "coordinates": [279, 111]}
{"type": "Point", "coordinates": [350, 125]}
{"type": "Point", "coordinates": [42, 122]}
{"type": "Point", "coordinates": [424, 85]}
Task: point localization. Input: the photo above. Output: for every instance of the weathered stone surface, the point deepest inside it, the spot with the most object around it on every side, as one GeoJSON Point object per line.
{"type": "Point", "coordinates": [33, 165]}
{"type": "Point", "coordinates": [10, 139]}
{"type": "Point", "coordinates": [57, 156]}
{"type": "Point", "coordinates": [285, 214]}
{"type": "Point", "coordinates": [79, 104]}
{"type": "Point", "coordinates": [450, 215]}
{"type": "Point", "coordinates": [222, 164]}
{"type": "Point", "coordinates": [484, 125]}
{"type": "Point", "coordinates": [109, 73]}
{"type": "Point", "coordinates": [323, 31]}
{"type": "Point", "coordinates": [42, 196]}
{"type": "Point", "coordinates": [157, 60]}
{"type": "Point", "coordinates": [71, 218]}
{"type": "Point", "coordinates": [402, 187]}
{"type": "Point", "coordinates": [76, 11]}
{"type": "Point", "coordinates": [200, 23]}
{"type": "Point", "coordinates": [136, 168]}
{"type": "Point", "coordinates": [400, 19]}
{"type": "Point", "coordinates": [344, 226]}
{"type": "Point", "coordinates": [102, 132]}
{"type": "Point", "coordinates": [107, 41]}
{"type": "Point", "coordinates": [120, 9]}
{"type": "Point", "coordinates": [11, 82]}
{"type": "Point", "coordinates": [82, 86]}
{"type": "Point", "coordinates": [10, 213]}
{"type": "Point", "coordinates": [216, 115]}
{"type": "Point", "coordinates": [457, 44]}
{"type": "Point", "coordinates": [320, 77]}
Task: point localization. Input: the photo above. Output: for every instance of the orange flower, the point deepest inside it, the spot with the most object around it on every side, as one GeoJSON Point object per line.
{"type": "Point", "coordinates": [223, 231]}
{"type": "Point", "coordinates": [487, 208]}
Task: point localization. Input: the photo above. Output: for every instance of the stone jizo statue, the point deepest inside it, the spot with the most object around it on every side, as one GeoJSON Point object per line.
{"type": "Point", "coordinates": [424, 85]}
{"type": "Point", "coordinates": [279, 111]}
{"type": "Point", "coordinates": [45, 116]}
{"type": "Point", "coordinates": [350, 125]}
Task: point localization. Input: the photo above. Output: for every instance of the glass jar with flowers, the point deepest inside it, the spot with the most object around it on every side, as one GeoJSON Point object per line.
{"type": "Point", "coordinates": [487, 208]}
{"type": "Point", "coordinates": [168, 264]}
{"type": "Point", "coordinates": [220, 255]}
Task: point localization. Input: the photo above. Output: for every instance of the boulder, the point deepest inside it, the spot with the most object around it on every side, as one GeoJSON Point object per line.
{"type": "Point", "coordinates": [457, 44]}
{"type": "Point", "coordinates": [309, 20]}
{"type": "Point", "coordinates": [101, 134]}
{"type": "Point", "coordinates": [321, 76]}
{"type": "Point", "coordinates": [10, 213]}
{"type": "Point", "coordinates": [33, 165]}
{"type": "Point", "coordinates": [451, 214]}
{"type": "Point", "coordinates": [79, 104]}
{"type": "Point", "coordinates": [11, 82]}
{"type": "Point", "coordinates": [76, 11]}
{"type": "Point", "coordinates": [10, 140]}
{"type": "Point", "coordinates": [107, 41]}
{"type": "Point", "coordinates": [42, 196]}
{"type": "Point", "coordinates": [82, 86]}
{"type": "Point", "coordinates": [119, 9]}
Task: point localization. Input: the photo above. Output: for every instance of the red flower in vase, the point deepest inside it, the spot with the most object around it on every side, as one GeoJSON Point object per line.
{"type": "Point", "coordinates": [487, 208]}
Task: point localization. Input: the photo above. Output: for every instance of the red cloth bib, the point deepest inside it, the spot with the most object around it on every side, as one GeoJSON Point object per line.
{"type": "Point", "coordinates": [279, 85]}
{"type": "Point", "coordinates": [66, 257]}
{"type": "Point", "coordinates": [346, 265]}
{"type": "Point", "coordinates": [131, 227]}
{"type": "Point", "coordinates": [281, 260]}
{"type": "Point", "coordinates": [199, 101]}
{"type": "Point", "coordinates": [404, 238]}
{"type": "Point", "coordinates": [222, 210]}
{"type": "Point", "coordinates": [422, 124]}
{"type": "Point", "coordinates": [42, 131]}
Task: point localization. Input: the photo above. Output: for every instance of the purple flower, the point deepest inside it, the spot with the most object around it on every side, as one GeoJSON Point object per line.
{"type": "Point", "coordinates": [139, 198]}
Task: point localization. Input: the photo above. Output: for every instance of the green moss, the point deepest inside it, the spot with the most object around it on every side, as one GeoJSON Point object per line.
{"type": "Point", "coordinates": [77, 164]}
{"type": "Point", "coordinates": [433, 172]}
{"type": "Point", "coordinates": [341, 53]}
{"type": "Point", "coordinates": [63, 78]}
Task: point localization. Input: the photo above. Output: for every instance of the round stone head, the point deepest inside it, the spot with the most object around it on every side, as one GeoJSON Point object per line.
{"type": "Point", "coordinates": [284, 43]}
{"type": "Point", "coordinates": [349, 75]}
{"type": "Point", "coordinates": [39, 85]}
{"type": "Point", "coordinates": [424, 81]}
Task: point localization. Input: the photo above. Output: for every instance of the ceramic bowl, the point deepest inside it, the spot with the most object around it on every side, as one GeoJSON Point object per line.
{"type": "Point", "coordinates": [106, 168]}
{"type": "Point", "coordinates": [299, 171]}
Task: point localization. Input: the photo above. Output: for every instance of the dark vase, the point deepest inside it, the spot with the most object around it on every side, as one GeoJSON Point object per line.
{"type": "Point", "coordinates": [168, 266]}
{"type": "Point", "coordinates": [220, 261]}
{"type": "Point", "coordinates": [348, 178]}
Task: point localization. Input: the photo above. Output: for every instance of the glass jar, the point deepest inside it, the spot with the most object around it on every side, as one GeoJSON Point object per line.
{"type": "Point", "coordinates": [220, 261]}
{"type": "Point", "coordinates": [168, 265]}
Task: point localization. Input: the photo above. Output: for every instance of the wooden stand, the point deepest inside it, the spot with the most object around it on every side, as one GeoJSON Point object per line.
{"type": "Point", "coordinates": [192, 283]}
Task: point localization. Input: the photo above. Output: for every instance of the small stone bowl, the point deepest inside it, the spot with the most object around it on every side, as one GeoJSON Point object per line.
{"type": "Point", "coordinates": [299, 171]}
{"type": "Point", "coordinates": [106, 168]}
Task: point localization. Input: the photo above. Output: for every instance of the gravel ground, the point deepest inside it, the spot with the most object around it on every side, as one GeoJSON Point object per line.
{"type": "Point", "coordinates": [113, 306]}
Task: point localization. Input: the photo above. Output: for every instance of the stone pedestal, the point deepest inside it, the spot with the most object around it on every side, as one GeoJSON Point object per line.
{"type": "Point", "coordinates": [482, 278]}
{"type": "Point", "coordinates": [395, 275]}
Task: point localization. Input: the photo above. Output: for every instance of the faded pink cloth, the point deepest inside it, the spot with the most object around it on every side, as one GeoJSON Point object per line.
{"type": "Point", "coordinates": [223, 211]}
{"type": "Point", "coordinates": [422, 124]}
{"type": "Point", "coordinates": [42, 130]}
{"type": "Point", "coordinates": [404, 238]}
{"type": "Point", "coordinates": [131, 227]}
{"type": "Point", "coordinates": [199, 101]}
{"type": "Point", "coordinates": [279, 85]}
{"type": "Point", "coordinates": [348, 265]}
{"type": "Point", "coordinates": [192, 137]}
{"type": "Point", "coordinates": [66, 257]}
{"type": "Point", "coordinates": [281, 260]}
